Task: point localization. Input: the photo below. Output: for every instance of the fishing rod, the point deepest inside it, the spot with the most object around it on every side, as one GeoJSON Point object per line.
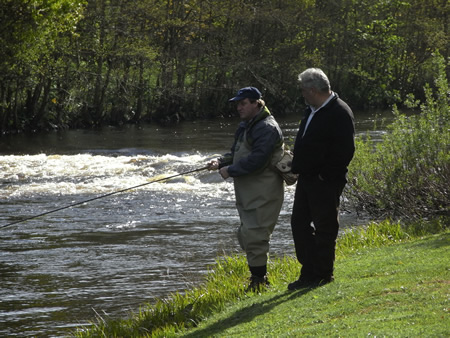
{"type": "Point", "coordinates": [102, 196]}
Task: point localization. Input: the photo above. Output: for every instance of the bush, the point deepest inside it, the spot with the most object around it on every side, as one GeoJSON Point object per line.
{"type": "Point", "coordinates": [406, 175]}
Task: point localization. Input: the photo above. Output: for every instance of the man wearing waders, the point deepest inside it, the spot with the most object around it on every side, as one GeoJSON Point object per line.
{"type": "Point", "coordinates": [258, 188]}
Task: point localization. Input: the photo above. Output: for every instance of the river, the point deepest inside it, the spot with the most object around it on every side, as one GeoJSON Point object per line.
{"type": "Point", "coordinates": [111, 255]}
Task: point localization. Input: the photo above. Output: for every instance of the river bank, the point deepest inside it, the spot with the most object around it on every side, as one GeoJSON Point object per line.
{"type": "Point", "coordinates": [391, 280]}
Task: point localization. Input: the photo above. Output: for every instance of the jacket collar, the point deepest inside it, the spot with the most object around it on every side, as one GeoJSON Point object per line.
{"type": "Point", "coordinates": [331, 100]}
{"type": "Point", "coordinates": [247, 125]}
{"type": "Point", "coordinates": [263, 113]}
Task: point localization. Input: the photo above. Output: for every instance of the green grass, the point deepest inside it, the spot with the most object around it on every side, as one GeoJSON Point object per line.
{"type": "Point", "coordinates": [390, 281]}
{"type": "Point", "coordinates": [399, 290]}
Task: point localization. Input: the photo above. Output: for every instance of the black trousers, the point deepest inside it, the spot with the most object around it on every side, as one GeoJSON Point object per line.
{"type": "Point", "coordinates": [315, 225]}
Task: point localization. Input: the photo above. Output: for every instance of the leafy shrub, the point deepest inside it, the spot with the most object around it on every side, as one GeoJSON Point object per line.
{"type": "Point", "coordinates": [407, 174]}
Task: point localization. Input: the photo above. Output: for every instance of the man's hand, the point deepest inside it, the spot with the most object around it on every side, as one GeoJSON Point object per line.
{"type": "Point", "coordinates": [224, 172]}
{"type": "Point", "coordinates": [213, 164]}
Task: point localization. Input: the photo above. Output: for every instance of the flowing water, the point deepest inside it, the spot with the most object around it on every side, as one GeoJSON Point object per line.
{"type": "Point", "coordinates": [111, 255]}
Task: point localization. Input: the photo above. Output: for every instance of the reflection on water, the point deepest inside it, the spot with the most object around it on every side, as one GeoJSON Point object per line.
{"type": "Point", "coordinates": [113, 254]}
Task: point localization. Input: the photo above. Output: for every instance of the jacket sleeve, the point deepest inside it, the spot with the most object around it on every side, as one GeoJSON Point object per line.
{"type": "Point", "coordinates": [227, 158]}
{"type": "Point", "coordinates": [342, 146]}
{"type": "Point", "coordinates": [296, 160]}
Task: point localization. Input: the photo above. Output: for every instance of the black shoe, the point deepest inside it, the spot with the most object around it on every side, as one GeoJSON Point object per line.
{"type": "Point", "coordinates": [300, 283]}
{"type": "Point", "coordinates": [320, 282]}
{"type": "Point", "coordinates": [257, 283]}
{"type": "Point", "coordinates": [323, 281]}
{"type": "Point", "coordinates": [303, 283]}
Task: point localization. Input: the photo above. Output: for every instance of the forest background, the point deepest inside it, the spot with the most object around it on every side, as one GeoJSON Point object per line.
{"type": "Point", "coordinates": [82, 64]}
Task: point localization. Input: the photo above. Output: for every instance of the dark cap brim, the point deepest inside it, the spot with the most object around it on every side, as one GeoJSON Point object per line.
{"type": "Point", "coordinates": [236, 98]}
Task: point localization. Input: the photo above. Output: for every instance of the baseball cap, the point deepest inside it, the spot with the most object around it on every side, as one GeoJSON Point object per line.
{"type": "Point", "coordinates": [247, 93]}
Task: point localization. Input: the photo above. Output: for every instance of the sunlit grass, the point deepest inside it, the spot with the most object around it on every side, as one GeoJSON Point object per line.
{"type": "Point", "coordinates": [226, 280]}
{"type": "Point", "coordinates": [398, 290]}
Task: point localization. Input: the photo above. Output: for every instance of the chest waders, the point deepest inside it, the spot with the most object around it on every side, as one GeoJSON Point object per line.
{"type": "Point", "coordinates": [259, 197]}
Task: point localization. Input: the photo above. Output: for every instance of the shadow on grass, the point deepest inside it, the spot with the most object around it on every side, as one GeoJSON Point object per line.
{"type": "Point", "coordinates": [247, 314]}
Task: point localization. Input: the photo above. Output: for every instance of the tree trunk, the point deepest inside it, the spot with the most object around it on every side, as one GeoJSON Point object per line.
{"type": "Point", "coordinates": [37, 119]}
{"type": "Point", "coordinates": [140, 92]}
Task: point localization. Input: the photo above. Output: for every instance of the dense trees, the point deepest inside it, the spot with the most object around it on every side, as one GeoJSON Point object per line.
{"type": "Point", "coordinates": [72, 63]}
{"type": "Point", "coordinates": [33, 35]}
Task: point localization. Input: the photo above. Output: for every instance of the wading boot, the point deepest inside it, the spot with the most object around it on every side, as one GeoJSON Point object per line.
{"type": "Point", "coordinates": [257, 284]}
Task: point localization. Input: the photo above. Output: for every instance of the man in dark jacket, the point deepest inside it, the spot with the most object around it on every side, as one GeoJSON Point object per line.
{"type": "Point", "coordinates": [323, 149]}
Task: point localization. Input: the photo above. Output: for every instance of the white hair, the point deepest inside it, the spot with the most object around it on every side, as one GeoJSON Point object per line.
{"type": "Point", "coordinates": [314, 78]}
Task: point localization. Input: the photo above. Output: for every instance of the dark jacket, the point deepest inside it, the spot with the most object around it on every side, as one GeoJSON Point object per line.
{"type": "Point", "coordinates": [264, 135]}
{"type": "Point", "coordinates": [328, 145]}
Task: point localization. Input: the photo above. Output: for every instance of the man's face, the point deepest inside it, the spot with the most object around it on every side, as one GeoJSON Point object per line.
{"type": "Point", "coordinates": [246, 109]}
{"type": "Point", "coordinates": [308, 94]}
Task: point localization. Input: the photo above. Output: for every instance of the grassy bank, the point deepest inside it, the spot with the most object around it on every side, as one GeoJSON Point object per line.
{"type": "Point", "coordinates": [390, 281]}
{"type": "Point", "coordinates": [394, 291]}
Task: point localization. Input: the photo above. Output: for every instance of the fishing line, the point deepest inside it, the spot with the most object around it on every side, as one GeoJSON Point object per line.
{"type": "Point", "coordinates": [102, 196]}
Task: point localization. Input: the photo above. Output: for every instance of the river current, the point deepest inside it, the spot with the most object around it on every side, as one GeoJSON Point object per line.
{"type": "Point", "coordinates": [113, 254]}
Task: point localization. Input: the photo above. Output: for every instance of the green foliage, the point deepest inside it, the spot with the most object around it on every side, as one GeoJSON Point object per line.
{"type": "Point", "coordinates": [31, 35]}
{"type": "Point", "coordinates": [407, 174]}
{"type": "Point", "coordinates": [374, 235]}
{"type": "Point", "coordinates": [68, 63]}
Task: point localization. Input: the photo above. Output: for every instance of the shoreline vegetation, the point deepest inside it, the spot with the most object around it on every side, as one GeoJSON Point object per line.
{"type": "Point", "coordinates": [392, 275]}
{"type": "Point", "coordinates": [391, 280]}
